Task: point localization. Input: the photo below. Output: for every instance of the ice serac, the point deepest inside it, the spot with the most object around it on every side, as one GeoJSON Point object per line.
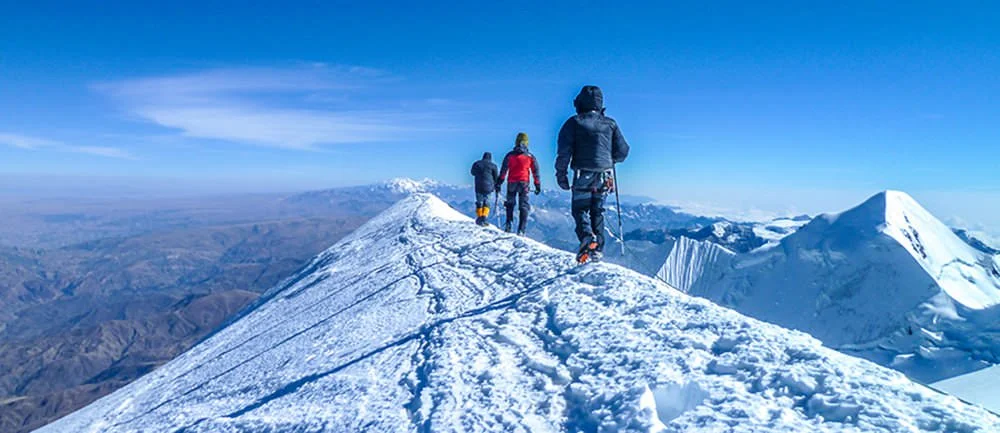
{"type": "Point", "coordinates": [885, 280]}
{"type": "Point", "coordinates": [423, 322]}
{"type": "Point", "coordinates": [690, 260]}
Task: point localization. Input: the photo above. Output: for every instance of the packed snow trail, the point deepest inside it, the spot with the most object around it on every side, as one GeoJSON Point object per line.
{"type": "Point", "coordinates": [423, 322]}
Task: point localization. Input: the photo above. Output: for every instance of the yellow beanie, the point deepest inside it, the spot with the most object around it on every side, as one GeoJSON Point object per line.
{"type": "Point", "coordinates": [522, 138]}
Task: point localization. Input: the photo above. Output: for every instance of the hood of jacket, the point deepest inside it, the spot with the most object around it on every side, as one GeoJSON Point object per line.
{"type": "Point", "coordinates": [590, 99]}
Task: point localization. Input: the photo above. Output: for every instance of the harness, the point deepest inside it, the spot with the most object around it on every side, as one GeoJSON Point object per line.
{"type": "Point", "coordinates": [606, 184]}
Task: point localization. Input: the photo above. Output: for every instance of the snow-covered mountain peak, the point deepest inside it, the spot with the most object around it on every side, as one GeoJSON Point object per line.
{"type": "Point", "coordinates": [885, 278]}
{"type": "Point", "coordinates": [965, 274]}
{"type": "Point", "coordinates": [869, 217]}
{"type": "Point", "coordinates": [416, 208]}
{"type": "Point", "coordinates": [402, 185]}
{"type": "Point", "coordinates": [968, 276]}
{"type": "Point", "coordinates": [422, 321]}
{"type": "Point", "coordinates": [876, 210]}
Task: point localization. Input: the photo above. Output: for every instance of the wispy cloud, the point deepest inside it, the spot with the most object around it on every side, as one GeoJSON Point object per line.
{"type": "Point", "coordinates": [36, 143]}
{"type": "Point", "coordinates": [110, 152]}
{"type": "Point", "coordinates": [25, 142]}
{"type": "Point", "coordinates": [300, 108]}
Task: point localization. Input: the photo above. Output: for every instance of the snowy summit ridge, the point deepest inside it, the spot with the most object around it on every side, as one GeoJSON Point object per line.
{"type": "Point", "coordinates": [420, 321]}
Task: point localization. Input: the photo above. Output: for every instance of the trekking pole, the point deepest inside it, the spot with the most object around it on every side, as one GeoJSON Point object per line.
{"type": "Point", "coordinates": [496, 202]}
{"type": "Point", "coordinates": [618, 206]}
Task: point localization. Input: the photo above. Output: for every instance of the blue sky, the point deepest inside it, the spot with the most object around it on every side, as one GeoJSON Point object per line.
{"type": "Point", "coordinates": [777, 107]}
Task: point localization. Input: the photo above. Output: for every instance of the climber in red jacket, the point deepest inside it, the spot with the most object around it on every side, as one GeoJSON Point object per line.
{"type": "Point", "coordinates": [519, 167]}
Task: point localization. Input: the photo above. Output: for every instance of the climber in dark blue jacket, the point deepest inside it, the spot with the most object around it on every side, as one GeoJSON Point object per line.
{"type": "Point", "coordinates": [591, 144]}
{"type": "Point", "coordinates": [486, 175]}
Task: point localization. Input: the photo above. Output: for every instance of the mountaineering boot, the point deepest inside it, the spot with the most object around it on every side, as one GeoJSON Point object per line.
{"type": "Point", "coordinates": [479, 216]}
{"type": "Point", "coordinates": [596, 256]}
{"type": "Point", "coordinates": [506, 226]}
{"type": "Point", "coordinates": [587, 249]}
{"type": "Point", "coordinates": [486, 216]}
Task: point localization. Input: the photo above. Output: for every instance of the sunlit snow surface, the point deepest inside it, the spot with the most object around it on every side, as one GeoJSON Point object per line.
{"type": "Point", "coordinates": [968, 276]}
{"type": "Point", "coordinates": [423, 322]}
{"type": "Point", "coordinates": [981, 387]}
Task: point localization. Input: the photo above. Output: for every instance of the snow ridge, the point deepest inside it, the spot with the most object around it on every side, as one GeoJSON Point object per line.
{"type": "Point", "coordinates": [420, 321]}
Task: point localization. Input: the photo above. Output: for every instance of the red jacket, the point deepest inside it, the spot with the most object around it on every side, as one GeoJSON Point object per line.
{"type": "Point", "coordinates": [521, 165]}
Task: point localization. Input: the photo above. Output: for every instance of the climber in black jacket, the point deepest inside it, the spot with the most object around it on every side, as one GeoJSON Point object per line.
{"type": "Point", "coordinates": [591, 144]}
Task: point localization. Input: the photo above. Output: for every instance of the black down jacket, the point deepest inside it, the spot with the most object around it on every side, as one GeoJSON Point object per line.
{"type": "Point", "coordinates": [590, 140]}
{"type": "Point", "coordinates": [486, 174]}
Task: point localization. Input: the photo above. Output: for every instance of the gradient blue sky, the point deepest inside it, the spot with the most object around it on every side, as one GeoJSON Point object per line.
{"type": "Point", "coordinates": [778, 107]}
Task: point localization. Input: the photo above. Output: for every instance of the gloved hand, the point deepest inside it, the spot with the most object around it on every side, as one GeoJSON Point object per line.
{"type": "Point", "coordinates": [538, 188]}
{"type": "Point", "coordinates": [563, 180]}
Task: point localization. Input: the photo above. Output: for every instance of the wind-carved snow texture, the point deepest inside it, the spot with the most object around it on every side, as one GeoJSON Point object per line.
{"type": "Point", "coordinates": [422, 322]}
{"type": "Point", "coordinates": [885, 280]}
